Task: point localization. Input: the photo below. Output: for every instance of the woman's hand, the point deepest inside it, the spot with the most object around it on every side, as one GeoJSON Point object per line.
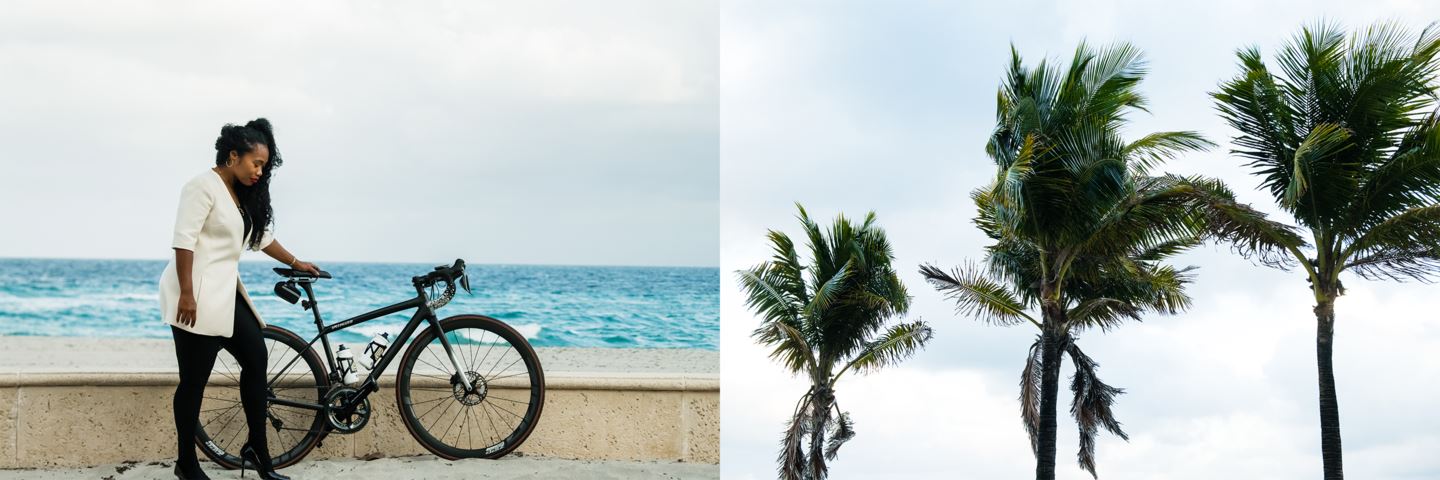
{"type": "Point", "coordinates": [186, 315]}
{"type": "Point", "coordinates": [306, 267]}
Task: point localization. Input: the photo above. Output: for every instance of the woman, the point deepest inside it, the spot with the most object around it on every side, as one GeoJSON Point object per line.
{"type": "Point", "coordinates": [201, 295]}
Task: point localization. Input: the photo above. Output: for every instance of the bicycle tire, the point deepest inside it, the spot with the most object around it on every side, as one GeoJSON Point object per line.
{"type": "Point", "coordinates": [408, 382]}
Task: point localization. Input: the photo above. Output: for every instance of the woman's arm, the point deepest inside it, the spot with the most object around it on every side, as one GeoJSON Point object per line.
{"type": "Point", "coordinates": [194, 206]}
{"type": "Point", "coordinates": [278, 252]}
{"type": "Point", "coordinates": [186, 313]}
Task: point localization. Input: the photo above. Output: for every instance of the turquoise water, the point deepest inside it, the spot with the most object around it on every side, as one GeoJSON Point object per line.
{"type": "Point", "coordinates": [553, 306]}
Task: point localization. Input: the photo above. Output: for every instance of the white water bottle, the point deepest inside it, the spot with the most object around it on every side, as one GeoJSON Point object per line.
{"type": "Point", "coordinates": [375, 350]}
{"type": "Point", "coordinates": [345, 362]}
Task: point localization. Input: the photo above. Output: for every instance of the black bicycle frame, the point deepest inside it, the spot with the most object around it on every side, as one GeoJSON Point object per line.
{"type": "Point", "coordinates": [371, 383]}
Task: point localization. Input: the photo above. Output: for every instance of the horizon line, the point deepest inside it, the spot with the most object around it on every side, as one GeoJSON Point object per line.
{"type": "Point", "coordinates": [390, 262]}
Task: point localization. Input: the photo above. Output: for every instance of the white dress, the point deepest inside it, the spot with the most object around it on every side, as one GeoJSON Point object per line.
{"type": "Point", "coordinates": [209, 223]}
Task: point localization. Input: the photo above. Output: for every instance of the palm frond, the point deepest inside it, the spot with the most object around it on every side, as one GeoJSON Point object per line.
{"type": "Point", "coordinates": [1324, 141]}
{"type": "Point", "coordinates": [1405, 246]}
{"type": "Point", "coordinates": [1091, 406]}
{"type": "Point", "coordinates": [1156, 148]}
{"type": "Point", "coordinates": [765, 290]}
{"type": "Point", "coordinates": [1110, 79]}
{"type": "Point", "coordinates": [897, 344]}
{"type": "Point", "coordinates": [1399, 263]}
{"type": "Point", "coordinates": [1410, 177]}
{"type": "Point", "coordinates": [977, 295]}
{"type": "Point", "coordinates": [788, 346]}
{"type": "Point", "coordinates": [1254, 104]}
{"type": "Point", "coordinates": [1105, 313]}
{"type": "Point", "coordinates": [1168, 248]}
{"type": "Point", "coordinates": [1030, 379]}
{"type": "Point", "coordinates": [1249, 232]}
{"type": "Point", "coordinates": [786, 267]}
{"type": "Point", "coordinates": [844, 431]}
{"type": "Point", "coordinates": [1152, 211]}
{"type": "Point", "coordinates": [792, 460]}
{"type": "Point", "coordinates": [1418, 226]}
{"type": "Point", "coordinates": [827, 292]}
{"type": "Point", "coordinates": [1163, 288]}
{"type": "Point", "coordinates": [822, 252]}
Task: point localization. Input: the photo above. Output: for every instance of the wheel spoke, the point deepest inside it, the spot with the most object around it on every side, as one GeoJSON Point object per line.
{"type": "Point", "coordinates": [452, 423]}
{"type": "Point", "coordinates": [466, 427]}
{"type": "Point", "coordinates": [442, 415]}
{"type": "Point", "coordinates": [498, 434]}
{"type": "Point", "coordinates": [492, 397]}
{"type": "Point", "coordinates": [432, 408]}
{"type": "Point", "coordinates": [507, 367]}
{"type": "Point", "coordinates": [504, 410]}
{"type": "Point", "coordinates": [218, 415]}
{"type": "Point", "coordinates": [516, 374]}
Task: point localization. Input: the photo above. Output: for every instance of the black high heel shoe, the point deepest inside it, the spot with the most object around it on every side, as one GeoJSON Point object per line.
{"type": "Point", "coordinates": [262, 468]}
{"type": "Point", "coordinates": [198, 475]}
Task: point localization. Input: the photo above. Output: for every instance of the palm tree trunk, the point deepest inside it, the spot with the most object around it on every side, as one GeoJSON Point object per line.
{"type": "Point", "coordinates": [1329, 402]}
{"type": "Point", "coordinates": [824, 399]}
{"type": "Point", "coordinates": [1050, 349]}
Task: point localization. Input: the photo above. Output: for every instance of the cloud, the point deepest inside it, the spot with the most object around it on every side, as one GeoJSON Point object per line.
{"type": "Point", "coordinates": [540, 132]}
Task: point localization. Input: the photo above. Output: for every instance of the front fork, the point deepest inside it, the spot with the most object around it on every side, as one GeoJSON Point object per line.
{"type": "Point", "coordinates": [459, 376]}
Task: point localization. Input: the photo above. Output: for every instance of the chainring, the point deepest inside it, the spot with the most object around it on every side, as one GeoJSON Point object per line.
{"type": "Point", "coordinates": [346, 423]}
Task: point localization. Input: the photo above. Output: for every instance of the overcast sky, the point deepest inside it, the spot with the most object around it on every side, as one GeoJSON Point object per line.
{"type": "Point", "coordinates": [857, 106]}
{"type": "Point", "coordinates": [499, 132]}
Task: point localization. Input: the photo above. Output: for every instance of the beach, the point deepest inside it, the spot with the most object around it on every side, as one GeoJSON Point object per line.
{"type": "Point", "coordinates": [411, 467]}
{"type": "Point", "coordinates": [144, 355]}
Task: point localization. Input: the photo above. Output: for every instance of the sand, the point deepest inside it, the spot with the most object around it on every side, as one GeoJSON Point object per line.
{"type": "Point", "coordinates": [414, 467]}
{"type": "Point", "coordinates": [72, 354]}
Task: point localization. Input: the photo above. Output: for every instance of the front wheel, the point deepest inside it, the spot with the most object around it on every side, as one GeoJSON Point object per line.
{"type": "Point", "coordinates": [487, 421]}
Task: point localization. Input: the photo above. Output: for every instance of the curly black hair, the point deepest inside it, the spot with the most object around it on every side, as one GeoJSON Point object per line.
{"type": "Point", "coordinates": [254, 199]}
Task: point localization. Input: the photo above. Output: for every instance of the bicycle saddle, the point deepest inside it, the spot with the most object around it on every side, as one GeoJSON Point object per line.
{"type": "Point", "coordinates": [293, 273]}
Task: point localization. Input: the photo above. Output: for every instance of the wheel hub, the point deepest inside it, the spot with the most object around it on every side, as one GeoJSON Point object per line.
{"type": "Point", "coordinates": [473, 397]}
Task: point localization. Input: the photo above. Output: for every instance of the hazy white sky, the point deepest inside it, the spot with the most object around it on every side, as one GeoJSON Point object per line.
{"type": "Point", "coordinates": [501, 132]}
{"type": "Point", "coordinates": [856, 106]}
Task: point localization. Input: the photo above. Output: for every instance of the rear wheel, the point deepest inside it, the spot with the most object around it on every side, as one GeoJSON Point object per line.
{"type": "Point", "coordinates": [295, 373]}
{"type": "Point", "coordinates": [487, 421]}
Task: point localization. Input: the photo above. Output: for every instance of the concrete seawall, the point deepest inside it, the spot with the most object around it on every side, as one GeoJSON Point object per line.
{"type": "Point", "coordinates": [58, 416]}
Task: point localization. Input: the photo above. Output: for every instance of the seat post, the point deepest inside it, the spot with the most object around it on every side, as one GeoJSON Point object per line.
{"type": "Point", "coordinates": [314, 307]}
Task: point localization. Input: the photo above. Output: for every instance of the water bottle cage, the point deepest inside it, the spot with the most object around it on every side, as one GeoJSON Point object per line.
{"type": "Point", "coordinates": [376, 355]}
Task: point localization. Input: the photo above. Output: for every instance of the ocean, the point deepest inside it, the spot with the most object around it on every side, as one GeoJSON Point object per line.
{"type": "Point", "coordinates": [553, 306]}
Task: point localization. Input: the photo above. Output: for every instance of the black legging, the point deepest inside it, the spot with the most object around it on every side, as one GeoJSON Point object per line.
{"type": "Point", "coordinates": [196, 355]}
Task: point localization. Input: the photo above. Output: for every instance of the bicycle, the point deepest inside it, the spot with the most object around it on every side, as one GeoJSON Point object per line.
{"type": "Point", "coordinates": [307, 401]}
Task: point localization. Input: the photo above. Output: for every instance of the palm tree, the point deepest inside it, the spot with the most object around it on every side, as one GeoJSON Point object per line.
{"type": "Point", "coordinates": [1344, 137]}
{"type": "Point", "coordinates": [822, 319]}
{"type": "Point", "coordinates": [1079, 228]}
{"type": "Point", "coordinates": [1101, 294]}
